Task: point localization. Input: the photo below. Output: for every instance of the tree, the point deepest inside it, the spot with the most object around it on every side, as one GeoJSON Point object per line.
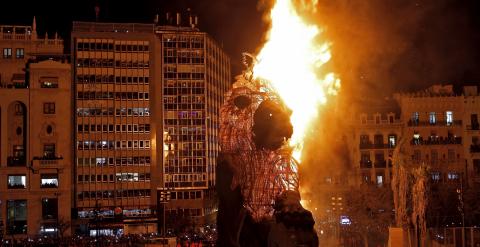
{"type": "Point", "coordinates": [370, 210]}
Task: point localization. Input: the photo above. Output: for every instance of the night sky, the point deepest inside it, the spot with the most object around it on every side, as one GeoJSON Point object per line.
{"type": "Point", "coordinates": [379, 46]}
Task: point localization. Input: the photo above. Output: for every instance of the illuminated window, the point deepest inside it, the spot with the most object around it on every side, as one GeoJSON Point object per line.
{"type": "Point", "coordinates": [449, 117]}
{"type": "Point", "coordinates": [416, 138]}
{"type": "Point", "coordinates": [432, 118]}
{"type": "Point", "coordinates": [392, 141]}
{"type": "Point", "coordinates": [435, 176]}
{"type": "Point", "coordinates": [49, 181]}
{"type": "Point", "coordinates": [16, 216]}
{"type": "Point", "coordinates": [17, 182]}
{"type": "Point", "coordinates": [379, 180]}
{"type": "Point", "coordinates": [453, 176]}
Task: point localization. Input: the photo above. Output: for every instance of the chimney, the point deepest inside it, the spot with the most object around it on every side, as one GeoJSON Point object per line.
{"type": "Point", "coordinates": [179, 20]}
{"type": "Point", "coordinates": [156, 19]}
{"type": "Point", "coordinates": [196, 21]}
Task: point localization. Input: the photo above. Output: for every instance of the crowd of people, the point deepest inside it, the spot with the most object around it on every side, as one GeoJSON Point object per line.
{"type": "Point", "coordinates": [187, 239]}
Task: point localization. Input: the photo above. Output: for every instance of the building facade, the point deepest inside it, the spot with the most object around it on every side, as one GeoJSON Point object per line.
{"type": "Point", "coordinates": [35, 134]}
{"type": "Point", "coordinates": [436, 127]}
{"type": "Point", "coordinates": [147, 101]}
{"type": "Point", "coordinates": [196, 74]}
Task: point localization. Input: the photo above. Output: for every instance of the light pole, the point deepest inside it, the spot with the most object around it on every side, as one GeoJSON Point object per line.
{"type": "Point", "coordinates": [164, 198]}
{"type": "Point", "coordinates": [57, 195]}
{"type": "Point", "coordinates": [461, 209]}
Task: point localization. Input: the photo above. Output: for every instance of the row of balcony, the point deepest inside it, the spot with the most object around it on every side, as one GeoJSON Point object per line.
{"type": "Point", "coordinates": [369, 145]}
{"type": "Point", "coordinates": [22, 161]}
{"type": "Point", "coordinates": [436, 123]}
{"type": "Point", "coordinates": [475, 148]}
{"type": "Point", "coordinates": [473, 126]}
{"type": "Point", "coordinates": [436, 141]}
{"type": "Point", "coordinates": [376, 164]}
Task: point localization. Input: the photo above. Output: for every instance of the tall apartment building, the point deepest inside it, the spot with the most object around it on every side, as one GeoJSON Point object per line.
{"type": "Point", "coordinates": [196, 74]}
{"type": "Point", "coordinates": [35, 127]}
{"type": "Point", "coordinates": [141, 88]}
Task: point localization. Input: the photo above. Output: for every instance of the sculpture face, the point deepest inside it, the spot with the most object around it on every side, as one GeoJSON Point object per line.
{"type": "Point", "coordinates": [254, 129]}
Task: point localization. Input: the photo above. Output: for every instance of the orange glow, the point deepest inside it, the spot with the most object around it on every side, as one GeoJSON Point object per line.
{"type": "Point", "coordinates": [290, 61]}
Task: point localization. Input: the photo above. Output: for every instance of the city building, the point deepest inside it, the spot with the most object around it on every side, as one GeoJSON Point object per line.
{"type": "Point", "coordinates": [429, 126]}
{"type": "Point", "coordinates": [471, 137]}
{"type": "Point", "coordinates": [433, 131]}
{"type": "Point", "coordinates": [147, 101]}
{"type": "Point", "coordinates": [375, 136]}
{"type": "Point", "coordinates": [35, 134]}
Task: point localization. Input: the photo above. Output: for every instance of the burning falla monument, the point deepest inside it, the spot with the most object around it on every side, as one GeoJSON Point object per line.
{"type": "Point", "coordinates": [257, 178]}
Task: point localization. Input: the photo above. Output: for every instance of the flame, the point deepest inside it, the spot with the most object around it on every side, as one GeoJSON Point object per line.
{"type": "Point", "coordinates": [289, 61]}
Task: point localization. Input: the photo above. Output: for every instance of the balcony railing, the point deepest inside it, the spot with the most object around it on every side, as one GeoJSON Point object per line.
{"type": "Point", "coordinates": [375, 146]}
{"type": "Point", "coordinates": [16, 186]}
{"type": "Point", "coordinates": [365, 164]}
{"type": "Point", "coordinates": [436, 141]}
{"type": "Point", "coordinates": [474, 126]}
{"type": "Point", "coordinates": [16, 161]}
{"type": "Point", "coordinates": [437, 123]}
{"type": "Point", "coordinates": [49, 162]}
{"type": "Point", "coordinates": [474, 148]}
{"type": "Point", "coordinates": [380, 164]}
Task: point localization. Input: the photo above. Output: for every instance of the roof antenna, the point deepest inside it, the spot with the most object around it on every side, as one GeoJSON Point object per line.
{"type": "Point", "coordinates": [97, 11]}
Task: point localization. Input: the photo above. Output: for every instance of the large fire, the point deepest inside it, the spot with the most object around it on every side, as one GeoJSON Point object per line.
{"type": "Point", "coordinates": [291, 60]}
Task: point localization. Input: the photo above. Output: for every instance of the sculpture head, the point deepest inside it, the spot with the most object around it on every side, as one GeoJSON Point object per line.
{"type": "Point", "coordinates": [254, 130]}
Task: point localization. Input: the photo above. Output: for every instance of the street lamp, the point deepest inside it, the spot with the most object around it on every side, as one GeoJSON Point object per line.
{"type": "Point", "coordinates": [164, 198]}
{"type": "Point", "coordinates": [57, 194]}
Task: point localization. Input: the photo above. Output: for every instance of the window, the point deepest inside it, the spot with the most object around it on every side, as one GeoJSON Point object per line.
{"type": "Point", "coordinates": [49, 181]}
{"type": "Point", "coordinates": [378, 140]}
{"type": "Point", "coordinates": [7, 52]}
{"type": "Point", "coordinates": [453, 176]}
{"type": "Point", "coordinates": [416, 138]}
{"type": "Point", "coordinates": [435, 176]}
{"type": "Point", "coordinates": [417, 155]}
{"type": "Point", "coordinates": [432, 118]}
{"type": "Point", "coordinates": [379, 180]}
{"type": "Point", "coordinates": [20, 53]}
{"type": "Point", "coordinates": [415, 118]}
{"type": "Point", "coordinates": [392, 141]}
{"type": "Point", "coordinates": [18, 109]}
{"type": "Point", "coordinates": [476, 167]}
{"type": "Point", "coordinates": [17, 182]}
{"type": "Point", "coordinates": [49, 150]}
{"type": "Point", "coordinates": [363, 119]}
{"type": "Point", "coordinates": [49, 108]}
{"type": "Point", "coordinates": [49, 208]}
{"type": "Point", "coordinates": [434, 154]}
{"type": "Point", "coordinates": [16, 217]}
{"type": "Point", "coordinates": [364, 139]}
{"type": "Point", "coordinates": [474, 122]}
{"type": "Point", "coordinates": [449, 117]}
{"type": "Point", "coordinates": [451, 155]}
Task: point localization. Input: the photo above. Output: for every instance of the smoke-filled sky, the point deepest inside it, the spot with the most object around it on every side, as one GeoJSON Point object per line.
{"type": "Point", "coordinates": [378, 45]}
